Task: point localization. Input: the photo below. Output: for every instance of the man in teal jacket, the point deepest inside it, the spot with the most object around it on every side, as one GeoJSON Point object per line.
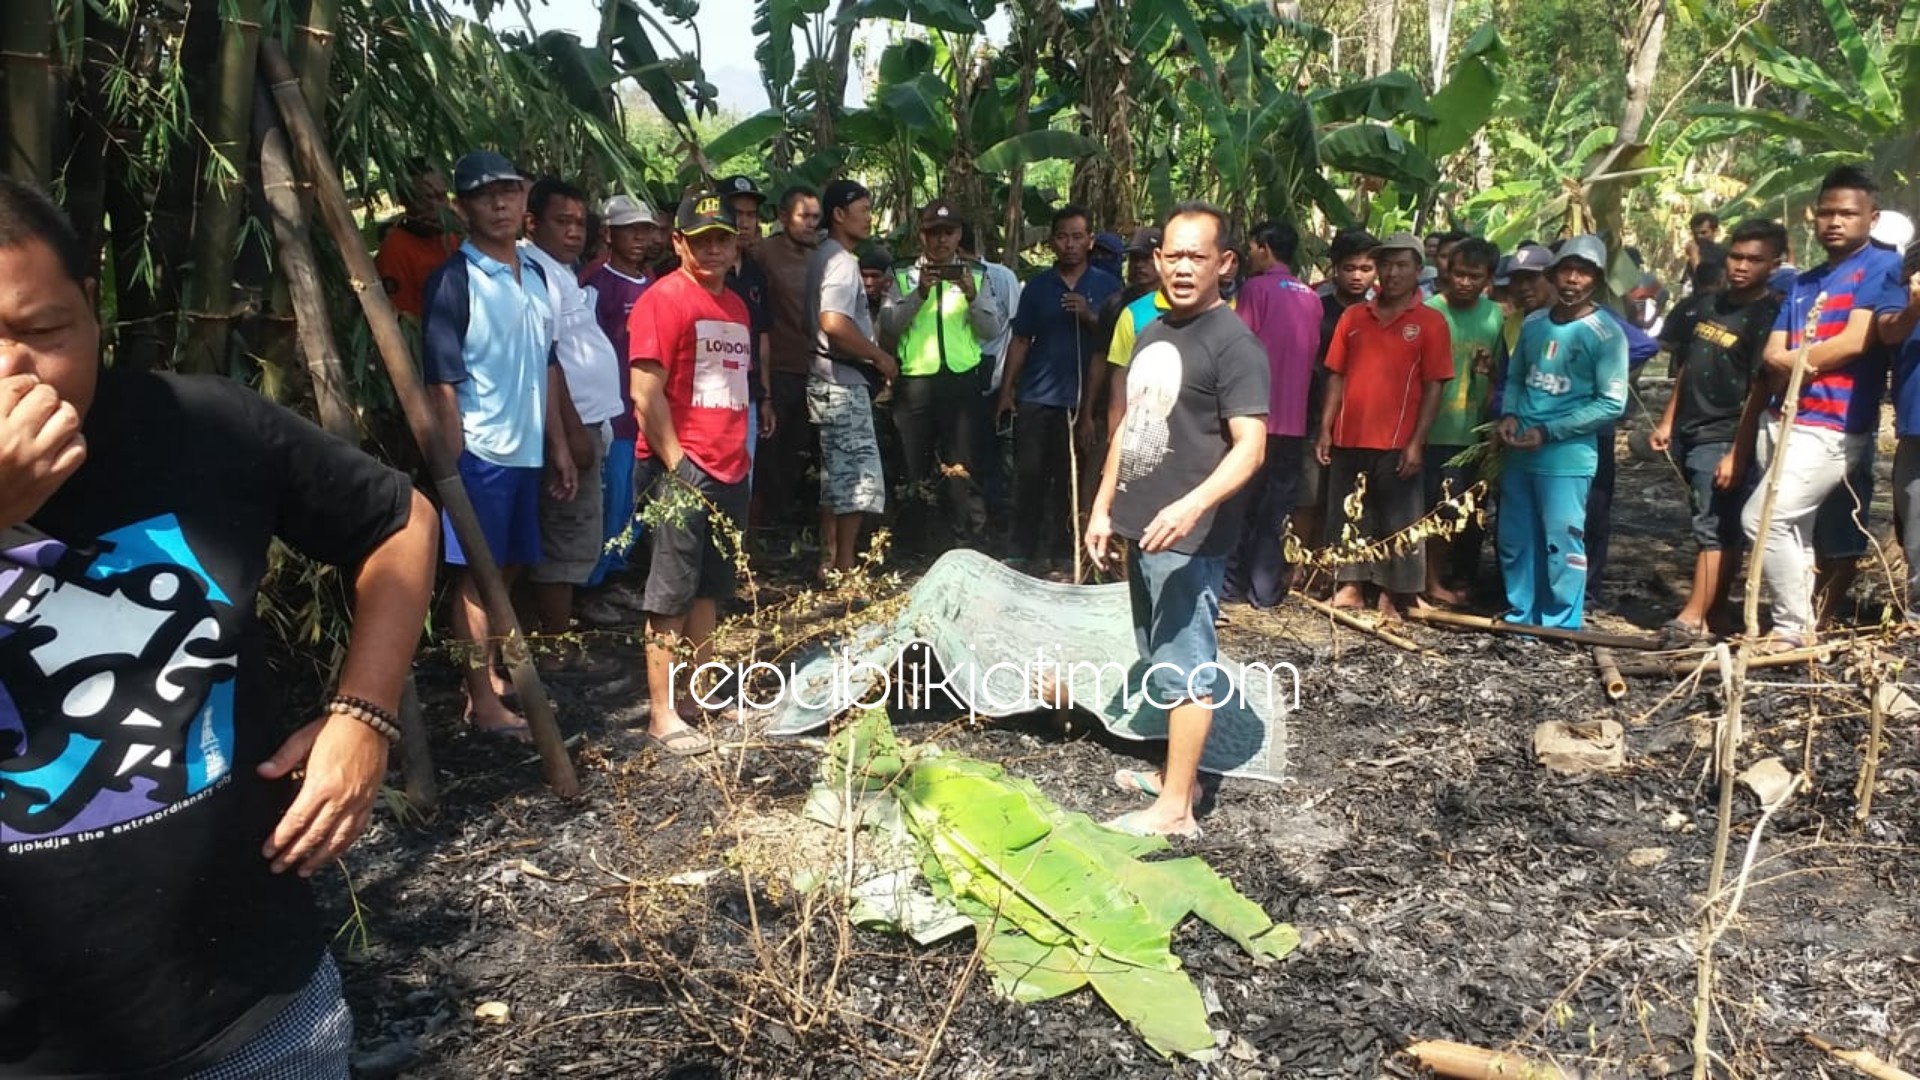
{"type": "Point", "coordinates": [1567, 380]}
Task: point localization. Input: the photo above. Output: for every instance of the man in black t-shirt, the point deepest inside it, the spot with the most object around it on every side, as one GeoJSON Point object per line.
{"type": "Point", "coordinates": [1194, 432]}
{"type": "Point", "coordinates": [1714, 412]}
{"type": "Point", "coordinates": [152, 801]}
{"type": "Point", "coordinates": [1677, 331]}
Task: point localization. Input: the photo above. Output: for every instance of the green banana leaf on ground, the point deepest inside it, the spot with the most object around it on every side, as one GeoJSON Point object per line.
{"type": "Point", "coordinates": [1060, 901]}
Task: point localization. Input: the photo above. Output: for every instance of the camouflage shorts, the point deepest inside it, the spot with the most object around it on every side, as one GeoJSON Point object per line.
{"type": "Point", "coordinates": [851, 481]}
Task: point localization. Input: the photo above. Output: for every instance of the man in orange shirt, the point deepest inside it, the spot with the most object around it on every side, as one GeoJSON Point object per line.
{"type": "Point", "coordinates": [1387, 360]}
{"type": "Point", "coordinates": [413, 245]}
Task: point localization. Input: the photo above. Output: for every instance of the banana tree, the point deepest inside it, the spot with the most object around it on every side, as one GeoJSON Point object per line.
{"type": "Point", "coordinates": [1868, 105]}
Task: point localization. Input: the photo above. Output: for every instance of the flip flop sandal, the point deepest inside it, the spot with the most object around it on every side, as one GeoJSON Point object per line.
{"type": "Point", "coordinates": [1679, 634]}
{"type": "Point", "coordinates": [683, 743]}
{"type": "Point", "coordinates": [1131, 825]}
{"type": "Point", "coordinates": [1137, 782]}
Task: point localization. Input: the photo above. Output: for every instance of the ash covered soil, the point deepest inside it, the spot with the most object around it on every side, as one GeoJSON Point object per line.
{"type": "Point", "coordinates": [1446, 886]}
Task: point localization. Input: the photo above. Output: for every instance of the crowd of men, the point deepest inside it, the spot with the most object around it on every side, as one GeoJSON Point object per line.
{"type": "Point", "coordinates": [1168, 405]}
{"type": "Point", "coordinates": [942, 395]}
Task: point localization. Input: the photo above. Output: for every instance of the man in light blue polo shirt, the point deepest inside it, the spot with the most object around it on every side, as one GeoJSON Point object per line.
{"type": "Point", "coordinates": [495, 383]}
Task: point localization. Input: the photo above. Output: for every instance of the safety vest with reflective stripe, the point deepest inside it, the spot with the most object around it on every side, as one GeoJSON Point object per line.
{"type": "Point", "coordinates": [939, 333]}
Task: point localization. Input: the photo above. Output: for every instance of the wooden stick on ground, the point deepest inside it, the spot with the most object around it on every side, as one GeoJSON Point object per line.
{"type": "Point", "coordinates": [1498, 626]}
{"type": "Point", "coordinates": [1888, 698]}
{"type": "Point", "coordinates": [1459, 1061]}
{"type": "Point", "coordinates": [338, 214]}
{"type": "Point", "coordinates": [1864, 1060]}
{"type": "Point", "coordinates": [1354, 622]}
{"type": "Point", "coordinates": [1611, 680]}
{"type": "Point", "coordinates": [1684, 665]}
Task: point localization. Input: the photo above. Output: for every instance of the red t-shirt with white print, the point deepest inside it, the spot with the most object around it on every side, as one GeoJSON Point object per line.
{"type": "Point", "coordinates": [704, 343]}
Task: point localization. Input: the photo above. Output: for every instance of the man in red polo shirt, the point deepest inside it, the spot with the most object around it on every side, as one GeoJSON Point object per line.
{"type": "Point", "coordinates": [691, 342]}
{"type": "Point", "coordinates": [1387, 360]}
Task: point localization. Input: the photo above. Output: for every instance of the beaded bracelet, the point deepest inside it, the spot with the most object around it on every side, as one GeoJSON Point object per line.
{"type": "Point", "coordinates": [367, 713]}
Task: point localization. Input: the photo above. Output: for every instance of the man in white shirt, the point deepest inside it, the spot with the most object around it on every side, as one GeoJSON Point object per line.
{"type": "Point", "coordinates": [571, 530]}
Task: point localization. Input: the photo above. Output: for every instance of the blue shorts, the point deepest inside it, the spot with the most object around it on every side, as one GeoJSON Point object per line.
{"type": "Point", "coordinates": [617, 503]}
{"type": "Point", "coordinates": [506, 499]}
{"type": "Point", "coordinates": [1175, 600]}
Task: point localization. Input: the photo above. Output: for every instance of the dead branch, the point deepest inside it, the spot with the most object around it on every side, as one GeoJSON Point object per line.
{"type": "Point", "coordinates": [1462, 1062]}
{"type": "Point", "coordinates": [1686, 665]}
{"type": "Point", "coordinates": [1354, 622]}
{"type": "Point", "coordinates": [1498, 626]}
{"type": "Point", "coordinates": [1866, 1061]}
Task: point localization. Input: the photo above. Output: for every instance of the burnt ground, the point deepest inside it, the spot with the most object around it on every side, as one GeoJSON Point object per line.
{"type": "Point", "coordinates": [1447, 886]}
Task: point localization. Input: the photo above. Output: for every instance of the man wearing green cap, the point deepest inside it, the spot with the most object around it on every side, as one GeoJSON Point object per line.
{"type": "Point", "coordinates": [937, 313]}
{"type": "Point", "coordinates": [690, 340]}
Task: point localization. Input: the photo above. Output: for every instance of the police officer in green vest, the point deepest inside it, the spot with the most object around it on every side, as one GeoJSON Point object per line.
{"type": "Point", "coordinates": [937, 314]}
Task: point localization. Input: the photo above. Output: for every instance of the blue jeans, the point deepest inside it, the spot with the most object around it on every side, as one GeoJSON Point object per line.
{"type": "Point", "coordinates": [1175, 600]}
{"type": "Point", "coordinates": [1543, 548]}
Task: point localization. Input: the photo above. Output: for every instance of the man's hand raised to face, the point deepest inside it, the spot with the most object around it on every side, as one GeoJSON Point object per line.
{"type": "Point", "coordinates": [40, 445]}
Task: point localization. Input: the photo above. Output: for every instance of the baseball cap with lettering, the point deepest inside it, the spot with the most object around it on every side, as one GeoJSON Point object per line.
{"type": "Point", "coordinates": [1530, 259]}
{"type": "Point", "coordinates": [701, 211]}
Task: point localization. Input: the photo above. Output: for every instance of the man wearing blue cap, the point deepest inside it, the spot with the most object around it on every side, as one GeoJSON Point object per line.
{"type": "Point", "coordinates": [1566, 381]}
{"type": "Point", "coordinates": [495, 381]}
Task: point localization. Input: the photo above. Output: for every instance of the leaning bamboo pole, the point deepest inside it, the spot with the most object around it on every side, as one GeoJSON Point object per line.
{"type": "Point", "coordinates": [1462, 621]}
{"type": "Point", "coordinates": [228, 121]}
{"type": "Point", "coordinates": [293, 251]}
{"type": "Point", "coordinates": [1727, 744]}
{"type": "Point", "coordinates": [26, 58]}
{"type": "Point", "coordinates": [392, 343]}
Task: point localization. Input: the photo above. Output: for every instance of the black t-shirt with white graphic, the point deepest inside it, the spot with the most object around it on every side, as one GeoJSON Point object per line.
{"type": "Point", "coordinates": [1187, 379]}
{"type": "Point", "coordinates": [1724, 350]}
{"type": "Point", "coordinates": [144, 934]}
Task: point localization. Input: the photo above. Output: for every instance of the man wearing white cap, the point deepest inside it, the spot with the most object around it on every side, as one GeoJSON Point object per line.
{"type": "Point", "coordinates": [1567, 380]}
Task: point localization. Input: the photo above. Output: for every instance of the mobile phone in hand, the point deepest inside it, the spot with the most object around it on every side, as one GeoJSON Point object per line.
{"type": "Point", "coordinates": [1910, 263]}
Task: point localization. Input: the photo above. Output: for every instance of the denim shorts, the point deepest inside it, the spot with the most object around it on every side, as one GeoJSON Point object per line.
{"type": "Point", "coordinates": [1716, 513]}
{"type": "Point", "coordinates": [506, 499]}
{"type": "Point", "coordinates": [851, 480]}
{"type": "Point", "coordinates": [1175, 600]}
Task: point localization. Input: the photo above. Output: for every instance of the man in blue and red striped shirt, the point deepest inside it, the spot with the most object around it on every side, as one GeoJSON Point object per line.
{"type": "Point", "coordinates": [1839, 404]}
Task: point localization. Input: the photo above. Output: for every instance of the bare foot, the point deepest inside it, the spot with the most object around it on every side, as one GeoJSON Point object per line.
{"type": "Point", "coordinates": [1348, 597]}
{"type": "Point", "coordinates": [1390, 604]}
{"type": "Point", "coordinates": [1157, 820]}
{"type": "Point", "coordinates": [1440, 594]}
{"type": "Point", "coordinates": [494, 718]}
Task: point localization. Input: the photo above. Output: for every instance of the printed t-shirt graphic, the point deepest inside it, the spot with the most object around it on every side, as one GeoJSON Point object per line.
{"type": "Point", "coordinates": [119, 748]}
{"type": "Point", "coordinates": [1153, 385]}
{"type": "Point", "coordinates": [1845, 398]}
{"type": "Point", "coordinates": [703, 342]}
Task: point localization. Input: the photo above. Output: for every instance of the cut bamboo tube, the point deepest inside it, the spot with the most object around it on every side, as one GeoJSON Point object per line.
{"type": "Point", "coordinates": [394, 353]}
{"type": "Point", "coordinates": [1459, 1061]}
{"type": "Point", "coordinates": [1611, 680]}
{"type": "Point", "coordinates": [1497, 626]}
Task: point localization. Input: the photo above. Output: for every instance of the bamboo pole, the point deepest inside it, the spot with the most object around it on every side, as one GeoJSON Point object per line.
{"type": "Point", "coordinates": [293, 251]}
{"type": "Point", "coordinates": [26, 46]}
{"type": "Point", "coordinates": [1684, 665]}
{"type": "Point", "coordinates": [313, 56]}
{"type": "Point", "coordinates": [1610, 678]}
{"type": "Point", "coordinates": [1727, 750]}
{"type": "Point", "coordinates": [1888, 699]}
{"type": "Point", "coordinates": [338, 215]}
{"type": "Point", "coordinates": [1354, 622]}
{"type": "Point", "coordinates": [228, 121]}
{"type": "Point", "coordinates": [1498, 626]}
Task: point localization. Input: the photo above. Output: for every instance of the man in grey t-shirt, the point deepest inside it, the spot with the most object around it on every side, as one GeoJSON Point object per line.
{"type": "Point", "coordinates": [1194, 432]}
{"type": "Point", "coordinates": [845, 360]}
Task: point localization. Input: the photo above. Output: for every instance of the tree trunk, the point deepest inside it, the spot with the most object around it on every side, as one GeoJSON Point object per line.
{"type": "Point", "coordinates": [26, 43]}
{"type": "Point", "coordinates": [1383, 30]}
{"type": "Point", "coordinates": [228, 120]}
{"type": "Point", "coordinates": [1643, 63]}
{"type": "Point", "coordinates": [1439, 39]}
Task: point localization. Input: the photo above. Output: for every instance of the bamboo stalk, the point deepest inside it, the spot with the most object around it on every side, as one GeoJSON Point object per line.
{"type": "Point", "coordinates": [1866, 1061]}
{"type": "Point", "coordinates": [1886, 698]}
{"type": "Point", "coordinates": [1498, 626]}
{"type": "Point", "coordinates": [293, 252]}
{"type": "Point", "coordinates": [228, 121]}
{"type": "Point", "coordinates": [1736, 683]}
{"type": "Point", "coordinates": [26, 45]}
{"type": "Point", "coordinates": [313, 56]}
{"type": "Point", "coordinates": [394, 352]}
{"type": "Point", "coordinates": [1460, 1061]}
{"type": "Point", "coordinates": [1353, 622]}
{"type": "Point", "coordinates": [1684, 665]}
{"type": "Point", "coordinates": [1610, 678]}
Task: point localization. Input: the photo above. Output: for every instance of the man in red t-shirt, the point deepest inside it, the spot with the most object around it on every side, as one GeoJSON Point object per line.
{"type": "Point", "coordinates": [1388, 359]}
{"type": "Point", "coordinates": [690, 342]}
